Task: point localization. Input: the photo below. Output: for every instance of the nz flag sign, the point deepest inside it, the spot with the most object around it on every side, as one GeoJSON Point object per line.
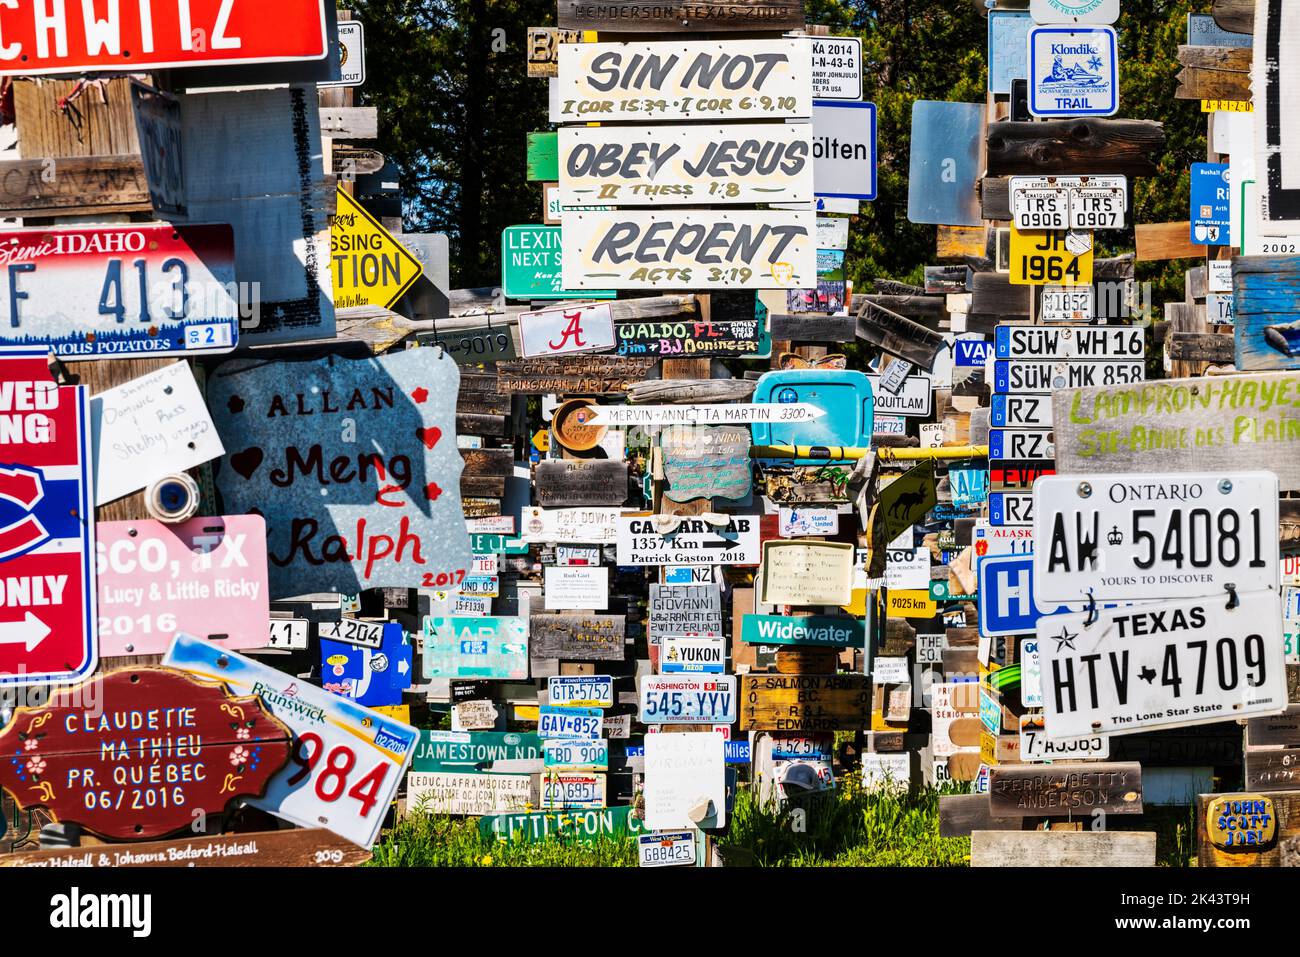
{"type": "Point", "coordinates": [47, 525]}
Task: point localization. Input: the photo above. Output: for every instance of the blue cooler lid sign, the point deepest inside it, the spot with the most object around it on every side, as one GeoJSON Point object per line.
{"type": "Point", "coordinates": [1073, 71]}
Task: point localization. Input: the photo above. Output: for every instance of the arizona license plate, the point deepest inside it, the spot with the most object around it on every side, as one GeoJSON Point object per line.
{"type": "Point", "coordinates": [1129, 537]}
{"type": "Point", "coordinates": [1163, 665]}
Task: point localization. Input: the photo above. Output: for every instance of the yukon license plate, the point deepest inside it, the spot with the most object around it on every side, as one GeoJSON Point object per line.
{"type": "Point", "coordinates": [1162, 665]}
{"type": "Point", "coordinates": [1133, 536]}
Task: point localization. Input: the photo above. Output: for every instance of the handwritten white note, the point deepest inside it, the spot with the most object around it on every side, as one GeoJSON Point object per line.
{"type": "Point", "coordinates": [149, 428]}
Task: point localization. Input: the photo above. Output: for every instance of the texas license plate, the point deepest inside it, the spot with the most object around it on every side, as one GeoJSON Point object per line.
{"type": "Point", "coordinates": [1130, 537]}
{"type": "Point", "coordinates": [1162, 665]}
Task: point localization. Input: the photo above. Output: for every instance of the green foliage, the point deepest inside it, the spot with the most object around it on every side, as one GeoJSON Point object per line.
{"type": "Point", "coordinates": [847, 827]}
{"type": "Point", "coordinates": [434, 840]}
{"type": "Point", "coordinates": [455, 107]}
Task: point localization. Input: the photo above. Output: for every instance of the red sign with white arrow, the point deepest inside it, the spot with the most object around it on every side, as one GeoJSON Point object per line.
{"type": "Point", "coordinates": [47, 525]}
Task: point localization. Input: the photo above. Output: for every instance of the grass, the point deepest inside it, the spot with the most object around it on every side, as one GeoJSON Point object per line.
{"type": "Point", "coordinates": [847, 827]}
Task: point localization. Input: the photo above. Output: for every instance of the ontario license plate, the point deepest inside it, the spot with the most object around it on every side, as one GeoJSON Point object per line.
{"type": "Point", "coordinates": [1167, 664]}
{"type": "Point", "coordinates": [1132, 537]}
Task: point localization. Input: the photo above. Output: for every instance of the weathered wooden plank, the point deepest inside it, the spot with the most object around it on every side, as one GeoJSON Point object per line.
{"type": "Point", "coordinates": [804, 702]}
{"type": "Point", "coordinates": [569, 483]}
{"type": "Point", "coordinates": [961, 242]}
{"type": "Point", "coordinates": [543, 50]}
{"type": "Point", "coordinates": [489, 426]}
{"type": "Point", "coordinates": [572, 374]}
{"type": "Point", "coordinates": [1213, 745]}
{"type": "Point", "coordinates": [1229, 423]}
{"type": "Point", "coordinates": [1236, 16]}
{"type": "Point", "coordinates": [898, 335]}
{"type": "Point", "coordinates": [1197, 84]}
{"type": "Point", "coordinates": [1234, 59]}
{"type": "Point", "coordinates": [577, 637]}
{"type": "Point", "coordinates": [1065, 790]}
{"type": "Point", "coordinates": [994, 295]}
{"type": "Point", "coordinates": [1267, 821]}
{"type": "Point", "coordinates": [1274, 731]}
{"type": "Point", "coordinates": [680, 16]}
{"type": "Point", "coordinates": [311, 847]}
{"type": "Point", "coordinates": [483, 486]}
{"type": "Point", "coordinates": [1201, 347]}
{"type": "Point", "coordinates": [105, 121]}
{"type": "Point", "coordinates": [498, 463]}
{"type": "Point", "coordinates": [917, 306]}
{"type": "Point", "coordinates": [350, 122]}
{"type": "Point", "coordinates": [995, 198]}
{"type": "Point", "coordinates": [1063, 849]}
{"type": "Point", "coordinates": [961, 814]}
{"type": "Point", "coordinates": [690, 390]}
{"type": "Point", "coordinates": [74, 186]}
{"type": "Point", "coordinates": [1266, 303]}
{"type": "Point", "coordinates": [1157, 241]}
{"type": "Point", "coordinates": [1272, 769]}
{"type": "Point", "coordinates": [808, 327]}
{"type": "Point", "coordinates": [1075, 147]}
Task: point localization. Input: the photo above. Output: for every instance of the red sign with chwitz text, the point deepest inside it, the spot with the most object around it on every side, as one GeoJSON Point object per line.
{"type": "Point", "coordinates": [43, 37]}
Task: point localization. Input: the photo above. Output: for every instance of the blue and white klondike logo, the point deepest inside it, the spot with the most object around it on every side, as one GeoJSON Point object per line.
{"type": "Point", "coordinates": [1073, 71]}
{"type": "Point", "coordinates": [1074, 11]}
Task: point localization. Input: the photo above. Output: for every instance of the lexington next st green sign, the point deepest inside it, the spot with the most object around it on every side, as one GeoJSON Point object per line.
{"type": "Point", "coordinates": [826, 631]}
{"type": "Point", "coordinates": [530, 265]}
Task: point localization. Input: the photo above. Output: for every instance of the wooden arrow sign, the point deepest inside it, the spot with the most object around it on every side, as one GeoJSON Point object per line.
{"type": "Point", "coordinates": [135, 754]}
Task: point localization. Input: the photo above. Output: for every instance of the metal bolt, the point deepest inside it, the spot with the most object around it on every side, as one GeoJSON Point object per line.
{"type": "Point", "coordinates": [1225, 486]}
{"type": "Point", "coordinates": [1085, 490]}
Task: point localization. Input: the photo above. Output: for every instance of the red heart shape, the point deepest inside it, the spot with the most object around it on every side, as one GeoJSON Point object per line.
{"type": "Point", "coordinates": [246, 462]}
{"type": "Point", "coordinates": [429, 436]}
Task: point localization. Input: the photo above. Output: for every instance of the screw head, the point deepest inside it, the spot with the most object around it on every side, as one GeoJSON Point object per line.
{"type": "Point", "coordinates": [1085, 490]}
{"type": "Point", "coordinates": [1225, 486]}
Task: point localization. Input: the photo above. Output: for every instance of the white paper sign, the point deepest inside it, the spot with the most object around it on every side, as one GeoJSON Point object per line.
{"type": "Point", "coordinates": [577, 588]}
{"type": "Point", "coordinates": [585, 526]}
{"type": "Point", "coordinates": [148, 428]}
{"type": "Point", "coordinates": [685, 781]}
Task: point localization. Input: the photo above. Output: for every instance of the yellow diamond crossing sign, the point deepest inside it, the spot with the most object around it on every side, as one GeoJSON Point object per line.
{"type": "Point", "coordinates": [371, 268]}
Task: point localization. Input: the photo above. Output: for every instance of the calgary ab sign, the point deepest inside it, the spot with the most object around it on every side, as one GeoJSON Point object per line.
{"type": "Point", "coordinates": [138, 35]}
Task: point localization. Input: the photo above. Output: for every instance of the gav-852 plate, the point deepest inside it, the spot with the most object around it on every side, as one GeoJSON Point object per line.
{"type": "Point", "coordinates": [1134, 536]}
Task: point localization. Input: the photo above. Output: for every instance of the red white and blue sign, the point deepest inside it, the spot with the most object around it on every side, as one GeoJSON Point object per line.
{"type": "Point", "coordinates": [47, 525]}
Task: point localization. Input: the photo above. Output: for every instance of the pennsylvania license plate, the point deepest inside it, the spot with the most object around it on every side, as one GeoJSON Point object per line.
{"type": "Point", "coordinates": [581, 691]}
{"type": "Point", "coordinates": [1133, 536]}
{"type": "Point", "coordinates": [1163, 665]}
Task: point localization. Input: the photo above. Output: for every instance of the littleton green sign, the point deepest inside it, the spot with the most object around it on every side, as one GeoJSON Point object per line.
{"type": "Point", "coordinates": [468, 750]}
{"type": "Point", "coordinates": [530, 265]}
{"type": "Point", "coordinates": [583, 826]}
{"type": "Point", "coordinates": [827, 631]}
